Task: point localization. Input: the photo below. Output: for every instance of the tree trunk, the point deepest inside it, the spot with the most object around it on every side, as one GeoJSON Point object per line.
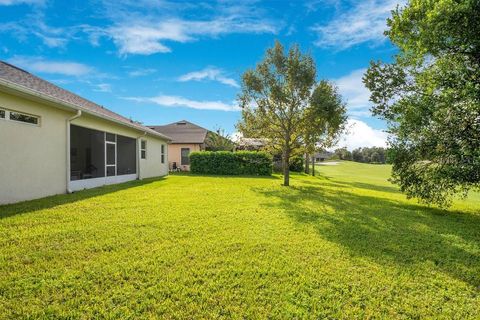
{"type": "Point", "coordinates": [313, 166]}
{"type": "Point", "coordinates": [307, 163]}
{"type": "Point", "coordinates": [286, 169]}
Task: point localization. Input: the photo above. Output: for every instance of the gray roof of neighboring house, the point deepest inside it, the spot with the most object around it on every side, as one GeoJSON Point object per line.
{"type": "Point", "coordinates": [183, 132]}
{"type": "Point", "coordinates": [323, 154]}
{"type": "Point", "coordinates": [33, 84]}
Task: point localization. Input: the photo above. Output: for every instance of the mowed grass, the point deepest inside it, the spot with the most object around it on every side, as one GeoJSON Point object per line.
{"type": "Point", "coordinates": [345, 244]}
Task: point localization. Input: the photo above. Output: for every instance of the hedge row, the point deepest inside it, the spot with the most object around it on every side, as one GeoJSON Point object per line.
{"type": "Point", "coordinates": [231, 163]}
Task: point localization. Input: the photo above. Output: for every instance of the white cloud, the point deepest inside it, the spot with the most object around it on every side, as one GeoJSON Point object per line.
{"type": "Point", "coordinates": [176, 101]}
{"type": "Point", "coordinates": [149, 34]}
{"type": "Point", "coordinates": [236, 136]}
{"type": "Point", "coordinates": [354, 92]}
{"type": "Point", "coordinates": [365, 22]}
{"type": "Point", "coordinates": [147, 27]}
{"type": "Point", "coordinates": [209, 73]}
{"type": "Point", "coordinates": [52, 37]}
{"type": "Point", "coordinates": [67, 68]}
{"type": "Point", "coordinates": [360, 134]}
{"type": "Point", "coordinates": [16, 2]}
{"type": "Point", "coordinates": [145, 39]}
{"type": "Point", "coordinates": [141, 72]}
{"type": "Point", "coordinates": [103, 87]}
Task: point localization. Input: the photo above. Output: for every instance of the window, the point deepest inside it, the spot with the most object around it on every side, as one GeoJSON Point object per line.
{"type": "Point", "coordinates": [185, 161]}
{"type": "Point", "coordinates": [143, 149]}
{"type": "Point", "coordinates": [21, 117]}
{"type": "Point", "coordinates": [126, 155]}
{"type": "Point", "coordinates": [163, 153]}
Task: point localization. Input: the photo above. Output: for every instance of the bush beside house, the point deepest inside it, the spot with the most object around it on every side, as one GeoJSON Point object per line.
{"type": "Point", "coordinates": [231, 163]}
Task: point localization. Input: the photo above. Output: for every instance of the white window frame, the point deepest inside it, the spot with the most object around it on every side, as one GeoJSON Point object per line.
{"type": "Point", "coordinates": [143, 149]}
{"type": "Point", "coordinates": [7, 117]}
{"type": "Point", "coordinates": [162, 153]}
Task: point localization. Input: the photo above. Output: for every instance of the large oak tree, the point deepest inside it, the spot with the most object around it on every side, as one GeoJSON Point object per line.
{"type": "Point", "coordinates": [430, 96]}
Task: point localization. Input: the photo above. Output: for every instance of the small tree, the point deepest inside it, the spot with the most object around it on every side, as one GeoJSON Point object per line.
{"type": "Point", "coordinates": [279, 89]}
{"type": "Point", "coordinates": [343, 154]}
{"type": "Point", "coordinates": [325, 119]}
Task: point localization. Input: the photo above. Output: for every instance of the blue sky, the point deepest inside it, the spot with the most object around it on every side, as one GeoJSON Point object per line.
{"type": "Point", "coordinates": [162, 61]}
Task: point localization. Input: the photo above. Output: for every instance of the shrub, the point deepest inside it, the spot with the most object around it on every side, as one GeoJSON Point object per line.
{"type": "Point", "coordinates": [231, 163]}
{"type": "Point", "coordinates": [296, 164]}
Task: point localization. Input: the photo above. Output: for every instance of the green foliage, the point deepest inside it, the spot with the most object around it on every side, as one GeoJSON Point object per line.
{"type": "Point", "coordinates": [282, 103]}
{"type": "Point", "coordinates": [297, 164]}
{"type": "Point", "coordinates": [218, 141]}
{"type": "Point", "coordinates": [325, 119]}
{"type": "Point", "coordinates": [389, 155]}
{"type": "Point", "coordinates": [231, 163]}
{"type": "Point", "coordinates": [369, 155]}
{"type": "Point", "coordinates": [203, 247]}
{"type": "Point", "coordinates": [342, 154]}
{"type": "Point", "coordinates": [430, 96]}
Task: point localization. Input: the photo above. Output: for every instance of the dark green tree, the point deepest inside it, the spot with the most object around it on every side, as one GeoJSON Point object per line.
{"type": "Point", "coordinates": [430, 97]}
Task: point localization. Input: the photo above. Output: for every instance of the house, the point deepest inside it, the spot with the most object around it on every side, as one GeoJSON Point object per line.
{"type": "Point", "coordinates": [251, 144]}
{"type": "Point", "coordinates": [322, 156]}
{"type": "Point", "coordinates": [53, 141]}
{"type": "Point", "coordinates": [185, 137]}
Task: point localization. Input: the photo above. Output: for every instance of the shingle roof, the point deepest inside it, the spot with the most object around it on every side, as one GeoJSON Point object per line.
{"type": "Point", "coordinates": [183, 132]}
{"type": "Point", "coordinates": [25, 80]}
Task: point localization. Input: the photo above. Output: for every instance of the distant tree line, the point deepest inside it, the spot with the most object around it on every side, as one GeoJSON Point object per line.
{"type": "Point", "coordinates": [365, 155]}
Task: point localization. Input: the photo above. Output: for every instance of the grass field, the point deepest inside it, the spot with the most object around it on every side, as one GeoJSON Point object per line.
{"type": "Point", "coordinates": [345, 244]}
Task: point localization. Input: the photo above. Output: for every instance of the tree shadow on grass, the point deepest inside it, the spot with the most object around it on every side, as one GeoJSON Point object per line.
{"type": "Point", "coordinates": [10, 210]}
{"type": "Point", "coordinates": [188, 174]}
{"type": "Point", "coordinates": [349, 185]}
{"type": "Point", "coordinates": [355, 184]}
{"type": "Point", "coordinates": [368, 186]}
{"type": "Point", "coordinates": [387, 231]}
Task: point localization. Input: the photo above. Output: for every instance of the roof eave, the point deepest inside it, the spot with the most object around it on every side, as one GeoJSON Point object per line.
{"type": "Point", "coordinates": [36, 94]}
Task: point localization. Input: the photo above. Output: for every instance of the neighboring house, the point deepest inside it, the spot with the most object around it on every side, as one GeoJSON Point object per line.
{"type": "Point", "coordinates": [53, 141]}
{"type": "Point", "coordinates": [251, 144]}
{"type": "Point", "coordinates": [322, 156]}
{"type": "Point", "coordinates": [186, 137]}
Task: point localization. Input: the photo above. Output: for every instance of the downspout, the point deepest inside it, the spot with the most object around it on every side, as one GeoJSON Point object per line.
{"type": "Point", "coordinates": [78, 115]}
{"type": "Point", "coordinates": [138, 153]}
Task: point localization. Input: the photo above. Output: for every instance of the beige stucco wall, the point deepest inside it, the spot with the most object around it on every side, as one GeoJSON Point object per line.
{"type": "Point", "coordinates": [152, 166]}
{"type": "Point", "coordinates": [33, 159]}
{"type": "Point", "coordinates": [175, 153]}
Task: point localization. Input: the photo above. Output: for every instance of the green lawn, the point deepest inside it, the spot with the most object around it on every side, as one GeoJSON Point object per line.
{"type": "Point", "coordinates": [345, 244]}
